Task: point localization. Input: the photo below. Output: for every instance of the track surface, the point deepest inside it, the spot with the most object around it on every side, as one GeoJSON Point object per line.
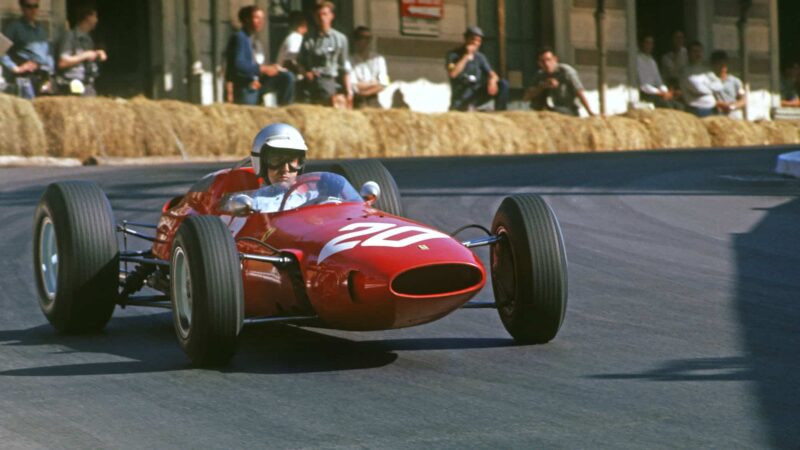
{"type": "Point", "coordinates": [683, 327]}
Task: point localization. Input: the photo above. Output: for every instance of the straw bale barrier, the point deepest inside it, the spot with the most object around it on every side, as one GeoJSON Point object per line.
{"type": "Point", "coordinates": [672, 129]}
{"type": "Point", "coordinates": [79, 128]}
{"type": "Point", "coordinates": [116, 128]}
{"type": "Point", "coordinates": [727, 132]}
{"type": "Point", "coordinates": [781, 131]}
{"type": "Point", "coordinates": [21, 131]}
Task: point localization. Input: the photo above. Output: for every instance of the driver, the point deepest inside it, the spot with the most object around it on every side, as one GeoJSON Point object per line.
{"type": "Point", "coordinates": [278, 155]}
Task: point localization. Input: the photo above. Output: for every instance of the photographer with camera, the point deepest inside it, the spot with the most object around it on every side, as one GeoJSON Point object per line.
{"type": "Point", "coordinates": [556, 86]}
{"type": "Point", "coordinates": [472, 80]}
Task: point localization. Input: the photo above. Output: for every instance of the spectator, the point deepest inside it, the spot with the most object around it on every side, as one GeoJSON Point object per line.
{"type": "Point", "coordinates": [673, 62]}
{"type": "Point", "coordinates": [730, 96]}
{"type": "Point", "coordinates": [472, 80]}
{"type": "Point", "coordinates": [789, 78]}
{"type": "Point", "coordinates": [370, 76]}
{"type": "Point", "coordinates": [77, 59]}
{"type": "Point", "coordinates": [290, 48]}
{"type": "Point", "coordinates": [28, 60]}
{"type": "Point", "coordinates": [698, 84]}
{"type": "Point", "coordinates": [556, 86]}
{"type": "Point", "coordinates": [324, 59]}
{"type": "Point", "coordinates": [247, 70]}
{"type": "Point", "coordinates": [651, 86]}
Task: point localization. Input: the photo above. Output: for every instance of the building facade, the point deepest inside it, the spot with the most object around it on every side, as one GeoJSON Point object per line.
{"type": "Point", "coordinates": [174, 48]}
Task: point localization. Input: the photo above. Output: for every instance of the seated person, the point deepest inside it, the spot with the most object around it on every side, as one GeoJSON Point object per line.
{"type": "Point", "coordinates": [28, 61]}
{"type": "Point", "coordinates": [730, 93]}
{"type": "Point", "coordinates": [472, 80]}
{"type": "Point", "coordinates": [789, 78]}
{"type": "Point", "coordinates": [651, 87]}
{"type": "Point", "coordinates": [556, 86]}
{"type": "Point", "coordinates": [698, 84]}
{"type": "Point", "coordinates": [370, 75]}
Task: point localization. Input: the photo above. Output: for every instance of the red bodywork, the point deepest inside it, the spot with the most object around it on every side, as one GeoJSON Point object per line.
{"type": "Point", "coordinates": [380, 284]}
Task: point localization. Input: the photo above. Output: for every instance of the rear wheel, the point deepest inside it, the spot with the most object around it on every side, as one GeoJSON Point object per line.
{"type": "Point", "coordinates": [75, 256]}
{"type": "Point", "coordinates": [359, 171]}
{"type": "Point", "coordinates": [207, 293]}
{"type": "Point", "coordinates": [529, 269]}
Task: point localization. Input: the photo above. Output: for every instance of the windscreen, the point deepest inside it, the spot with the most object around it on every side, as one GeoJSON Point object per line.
{"type": "Point", "coordinates": [315, 188]}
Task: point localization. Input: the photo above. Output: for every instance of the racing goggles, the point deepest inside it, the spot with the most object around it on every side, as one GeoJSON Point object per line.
{"type": "Point", "coordinates": [277, 163]}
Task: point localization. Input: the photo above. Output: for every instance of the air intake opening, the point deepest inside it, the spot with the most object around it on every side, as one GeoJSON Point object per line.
{"type": "Point", "coordinates": [437, 279]}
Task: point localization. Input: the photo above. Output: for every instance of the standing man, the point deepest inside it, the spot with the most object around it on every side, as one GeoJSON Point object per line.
{"type": "Point", "coordinates": [370, 75]}
{"type": "Point", "coordinates": [651, 87]}
{"type": "Point", "coordinates": [730, 96]}
{"type": "Point", "coordinates": [247, 70]}
{"type": "Point", "coordinates": [77, 59]}
{"type": "Point", "coordinates": [556, 86]}
{"type": "Point", "coordinates": [472, 80]}
{"type": "Point", "coordinates": [673, 62]}
{"type": "Point", "coordinates": [324, 58]}
{"type": "Point", "coordinates": [698, 84]}
{"type": "Point", "coordinates": [290, 48]}
{"type": "Point", "coordinates": [28, 60]}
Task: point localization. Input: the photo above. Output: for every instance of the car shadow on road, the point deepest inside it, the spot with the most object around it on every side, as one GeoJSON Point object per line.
{"type": "Point", "coordinates": [146, 344]}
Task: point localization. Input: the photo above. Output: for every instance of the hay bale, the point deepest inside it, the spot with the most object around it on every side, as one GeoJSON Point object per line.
{"type": "Point", "coordinates": [669, 128]}
{"type": "Point", "coordinates": [781, 131]}
{"type": "Point", "coordinates": [727, 132]}
{"type": "Point", "coordinates": [567, 133]}
{"type": "Point", "coordinates": [241, 123]}
{"type": "Point", "coordinates": [535, 134]}
{"type": "Point", "coordinates": [332, 133]}
{"type": "Point", "coordinates": [467, 133]}
{"type": "Point", "coordinates": [400, 132]}
{"type": "Point", "coordinates": [628, 135]}
{"type": "Point", "coordinates": [21, 129]}
{"type": "Point", "coordinates": [154, 129]}
{"type": "Point", "coordinates": [82, 127]}
{"type": "Point", "coordinates": [196, 130]}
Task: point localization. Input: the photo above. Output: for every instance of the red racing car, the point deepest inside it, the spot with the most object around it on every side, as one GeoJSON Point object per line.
{"type": "Point", "coordinates": [232, 252]}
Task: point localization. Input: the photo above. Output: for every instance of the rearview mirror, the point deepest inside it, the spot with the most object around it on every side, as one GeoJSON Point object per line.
{"type": "Point", "coordinates": [370, 192]}
{"type": "Point", "coordinates": [240, 205]}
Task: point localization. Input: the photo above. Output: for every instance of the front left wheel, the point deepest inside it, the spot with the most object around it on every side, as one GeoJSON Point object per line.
{"type": "Point", "coordinates": [207, 291]}
{"type": "Point", "coordinates": [75, 257]}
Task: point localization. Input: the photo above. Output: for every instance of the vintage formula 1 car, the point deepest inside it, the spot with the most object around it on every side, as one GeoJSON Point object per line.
{"type": "Point", "coordinates": [231, 252]}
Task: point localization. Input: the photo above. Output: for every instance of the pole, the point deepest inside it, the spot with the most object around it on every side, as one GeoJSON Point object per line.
{"type": "Point", "coordinates": [600, 18]}
{"type": "Point", "coordinates": [744, 8]}
{"type": "Point", "coordinates": [501, 36]}
{"type": "Point", "coordinates": [215, 50]}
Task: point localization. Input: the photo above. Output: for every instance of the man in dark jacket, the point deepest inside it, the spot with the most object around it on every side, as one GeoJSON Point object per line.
{"type": "Point", "coordinates": [247, 69]}
{"type": "Point", "coordinates": [472, 80]}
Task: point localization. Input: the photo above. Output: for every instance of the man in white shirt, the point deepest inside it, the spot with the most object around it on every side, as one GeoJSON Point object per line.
{"type": "Point", "coordinates": [673, 62]}
{"type": "Point", "coordinates": [290, 48]}
{"type": "Point", "coordinates": [698, 84]}
{"type": "Point", "coordinates": [370, 75]}
{"type": "Point", "coordinates": [651, 86]}
{"type": "Point", "coordinates": [730, 97]}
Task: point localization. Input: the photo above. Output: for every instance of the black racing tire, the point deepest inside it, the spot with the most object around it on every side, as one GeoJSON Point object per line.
{"type": "Point", "coordinates": [75, 257]}
{"type": "Point", "coordinates": [206, 290]}
{"type": "Point", "coordinates": [359, 171]}
{"type": "Point", "coordinates": [529, 269]}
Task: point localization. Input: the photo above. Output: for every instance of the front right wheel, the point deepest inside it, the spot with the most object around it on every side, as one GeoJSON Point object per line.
{"type": "Point", "coordinates": [207, 292]}
{"type": "Point", "coordinates": [529, 269]}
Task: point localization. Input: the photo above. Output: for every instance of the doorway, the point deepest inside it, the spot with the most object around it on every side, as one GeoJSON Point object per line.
{"type": "Point", "coordinates": [123, 32]}
{"type": "Point", "coordinates": [660, 18]}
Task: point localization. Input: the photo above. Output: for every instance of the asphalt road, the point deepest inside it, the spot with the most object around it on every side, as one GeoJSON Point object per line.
{"type": "Point", "coordinates": [683, 326]}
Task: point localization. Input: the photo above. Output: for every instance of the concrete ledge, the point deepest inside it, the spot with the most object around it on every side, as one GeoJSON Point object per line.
{"type": "Point", "coordinates": [26, 161]}
{"type": "Point", "coordinates": [789, 164]}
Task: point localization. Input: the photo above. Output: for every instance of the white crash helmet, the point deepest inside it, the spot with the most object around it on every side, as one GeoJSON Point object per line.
{"type": "Point", "coordinates": [277, 137]}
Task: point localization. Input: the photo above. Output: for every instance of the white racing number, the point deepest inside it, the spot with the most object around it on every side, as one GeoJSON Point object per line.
{"type": "Point", "coordinates": [382, 234]}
